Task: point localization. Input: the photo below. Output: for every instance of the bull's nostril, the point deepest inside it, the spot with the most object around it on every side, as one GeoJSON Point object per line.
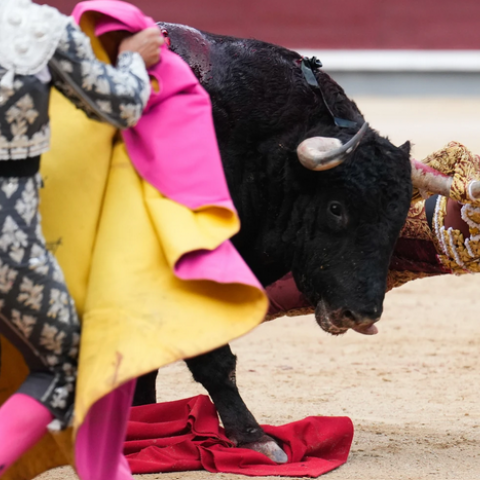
{"type": "Point", "coordinates": [373, 313]}
{"type": "Point", "coordinates": [348, 314]}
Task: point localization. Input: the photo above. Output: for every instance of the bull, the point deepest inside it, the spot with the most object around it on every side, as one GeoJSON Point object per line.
{"type": "Point", "coordinates": [319, 193]}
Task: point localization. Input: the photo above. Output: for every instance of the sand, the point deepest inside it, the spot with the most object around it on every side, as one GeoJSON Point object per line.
{"type": "Point", "coordinates": [412, 390]}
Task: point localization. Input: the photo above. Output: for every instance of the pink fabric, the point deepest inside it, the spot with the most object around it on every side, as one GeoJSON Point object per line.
{"type": "Point", "coordinates": [174, 147]}
{"type": "Point", "coordinates": [99, 442]}
{"type": "Point", "coordinates": [284, 296]}
{"type": "Point", "coordinates": [23, 422]}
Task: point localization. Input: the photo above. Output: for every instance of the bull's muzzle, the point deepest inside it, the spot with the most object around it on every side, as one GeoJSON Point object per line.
{"type": "Point", "coordinates": [340, 320]}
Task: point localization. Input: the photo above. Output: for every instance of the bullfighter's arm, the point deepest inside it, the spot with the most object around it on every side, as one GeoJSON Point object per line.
{"type": "Point", "coordinates": [456, 227]}
{"type": "Point", "coordinates": [115, 95]}
{"type": "Point", "coordinates": [448, 241]}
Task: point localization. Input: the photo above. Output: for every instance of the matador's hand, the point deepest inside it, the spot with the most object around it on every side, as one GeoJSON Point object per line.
{"type": "Point", "coordinates": [147, 43]}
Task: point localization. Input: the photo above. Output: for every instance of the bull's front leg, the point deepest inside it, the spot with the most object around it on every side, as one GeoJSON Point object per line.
{"type": "Point", "coordinates": [145, 391]}
{"type": "Point", "coordinates": [216, 372]}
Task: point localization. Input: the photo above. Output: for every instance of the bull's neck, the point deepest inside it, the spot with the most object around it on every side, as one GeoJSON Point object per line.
{"type": "Point", "coordinates": [265, 214]}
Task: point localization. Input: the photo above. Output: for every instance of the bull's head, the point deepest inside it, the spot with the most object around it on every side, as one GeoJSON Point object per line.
{"type": "Point", "coordinates": [343, 248]}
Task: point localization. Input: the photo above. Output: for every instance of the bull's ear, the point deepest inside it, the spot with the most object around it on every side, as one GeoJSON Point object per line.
{"type": "Point", "coordinates": [405, 148]}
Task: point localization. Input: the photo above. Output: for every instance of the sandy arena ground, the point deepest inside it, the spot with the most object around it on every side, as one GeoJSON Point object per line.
{"type": "Point", "coordinates": [412, 390]}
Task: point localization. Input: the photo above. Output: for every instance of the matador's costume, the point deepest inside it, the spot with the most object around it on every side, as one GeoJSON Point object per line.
{"type": "Point", "coordinates": [426, 247]}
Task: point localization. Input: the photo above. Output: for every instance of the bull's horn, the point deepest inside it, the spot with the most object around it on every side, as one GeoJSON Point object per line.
{"type": "Point", "coordinates": [474, 190]}
{"type": "Point", "coordinates": [430, 180]}
{"type": "Point", "coordinates": [323, 153]}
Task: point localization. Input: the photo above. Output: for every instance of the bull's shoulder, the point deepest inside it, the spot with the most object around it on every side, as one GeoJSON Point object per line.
{"type": "Point", "coordinates": [205, 51]}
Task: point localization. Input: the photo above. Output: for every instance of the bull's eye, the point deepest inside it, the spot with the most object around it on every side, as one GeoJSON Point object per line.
{"type": "Point", "coordinates": [336, 209]}
{"type": "Point", "coordinates": [337, 215]}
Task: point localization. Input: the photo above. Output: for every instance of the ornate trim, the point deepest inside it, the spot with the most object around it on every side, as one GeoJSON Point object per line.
{"type": "Point", "coordinates": [294, 312]}
{"type": "Point", "coordinates": [23, 147]}
{"type": "Point", "coordinates": [397, 278]}
{"type": "Point", "coordinates": [456, 253]}
{"type": "Point", "coordinates": [29, 35]}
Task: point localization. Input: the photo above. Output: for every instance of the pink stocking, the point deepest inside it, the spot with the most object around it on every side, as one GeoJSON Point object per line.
{"type": "Point", "coordinates": [23, 422]}
{"type": "Point", "coordinates": [99, 443]}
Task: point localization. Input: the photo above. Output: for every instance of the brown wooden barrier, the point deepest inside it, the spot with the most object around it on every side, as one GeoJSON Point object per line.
{"type": "Point", "coordinates": [329, 24]}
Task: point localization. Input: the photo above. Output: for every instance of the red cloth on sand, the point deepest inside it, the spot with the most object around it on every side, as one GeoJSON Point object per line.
{"type": "Point", "coordinates": [186, 435]}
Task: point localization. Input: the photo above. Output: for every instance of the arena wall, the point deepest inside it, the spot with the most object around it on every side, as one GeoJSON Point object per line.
{"type": "Point", "coordinates": [328, 24]}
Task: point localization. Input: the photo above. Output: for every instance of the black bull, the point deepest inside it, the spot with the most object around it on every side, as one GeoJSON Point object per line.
{"type": "Point", "coordinates": [335, 230]}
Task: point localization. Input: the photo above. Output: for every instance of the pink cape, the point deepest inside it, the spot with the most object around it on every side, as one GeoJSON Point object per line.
{"type": "Point", "coordinates": [173, 146]}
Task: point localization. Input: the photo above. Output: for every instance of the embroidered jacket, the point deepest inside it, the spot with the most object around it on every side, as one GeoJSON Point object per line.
{"type": "Point", "coordinates": [115, 95]}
